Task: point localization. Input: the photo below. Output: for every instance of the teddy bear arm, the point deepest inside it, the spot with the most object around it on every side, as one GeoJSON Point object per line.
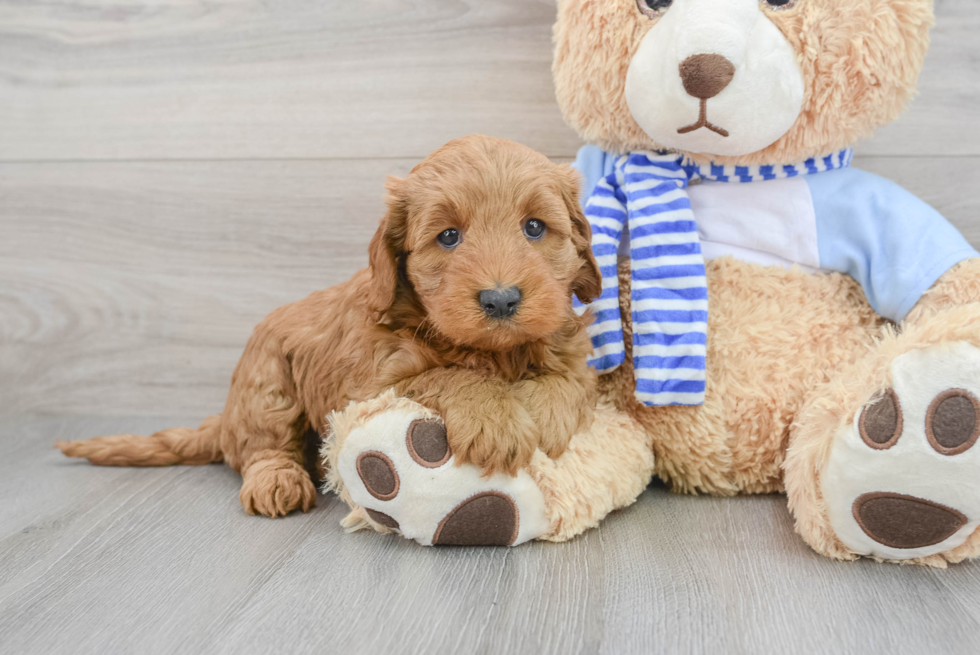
{"type": "Point", "coordinates": [895, 245]}
{"type": "Point", "coordinates": [958, 286]}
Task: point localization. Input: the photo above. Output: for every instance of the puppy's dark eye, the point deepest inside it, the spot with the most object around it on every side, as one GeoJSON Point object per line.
{"type": "Point", "coordinates": [449, 238]}
{"type": "Point", "coordinates": [534, 228]}
{"type": "Point", "coordinates": [779, 4]}
{"type": "Point", "coordinates": [653, 8]}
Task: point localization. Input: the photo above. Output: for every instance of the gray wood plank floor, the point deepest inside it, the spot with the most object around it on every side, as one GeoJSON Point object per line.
{"type": "Point", "coordinates": [163, 560]}
{"type": "Point", "coordinates": [172, 171]}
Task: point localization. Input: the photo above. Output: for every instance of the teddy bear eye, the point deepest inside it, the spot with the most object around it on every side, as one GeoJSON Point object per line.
{"type": "Point", "coordinates": [653, 8]}
{"type": "Point", "coordinates": [779, 4]}
{"type": "Point", "coordinates": [448, 238]}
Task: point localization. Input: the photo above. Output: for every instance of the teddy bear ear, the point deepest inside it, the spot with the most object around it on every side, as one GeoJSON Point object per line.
{"type": "Point", "coordinates": [587, 284]}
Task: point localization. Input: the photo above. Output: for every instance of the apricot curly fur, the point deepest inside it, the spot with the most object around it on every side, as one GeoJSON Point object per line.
{"type": "Point", "coordinates": [412, 321]}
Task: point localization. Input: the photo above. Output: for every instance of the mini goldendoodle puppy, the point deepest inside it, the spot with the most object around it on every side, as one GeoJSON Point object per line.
{"type": "Point", "coordinates": [466, 307]}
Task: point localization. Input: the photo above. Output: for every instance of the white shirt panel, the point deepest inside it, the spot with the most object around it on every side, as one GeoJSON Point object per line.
{"type": "Point", "coordinates": [769, 223]}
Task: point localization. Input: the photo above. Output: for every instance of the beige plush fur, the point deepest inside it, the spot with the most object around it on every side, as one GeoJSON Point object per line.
{"type": "Point", "coordinates": [760, 319]}
{"type": "Point", "coordinates": [860, 61]}
{"type": "Point", "coordinates": [605, 468]}
{"type": "Point", "coordinates": [792, 357]}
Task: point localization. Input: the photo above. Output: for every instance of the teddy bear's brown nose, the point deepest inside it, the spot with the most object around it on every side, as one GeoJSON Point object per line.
{"type": "Point", "coordinates": [704, 76]}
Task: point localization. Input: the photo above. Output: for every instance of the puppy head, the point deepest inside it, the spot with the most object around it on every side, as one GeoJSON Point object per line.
{"type": "Point", "coordinates": [489, 237]}
{"type": "Point", "coordinates": [737, 81]}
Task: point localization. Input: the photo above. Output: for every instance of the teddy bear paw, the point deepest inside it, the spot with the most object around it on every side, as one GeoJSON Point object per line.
{"type": "Point", "coordinates": [903, 479]}
{"type": "Point", "coordinates": [398, 467]}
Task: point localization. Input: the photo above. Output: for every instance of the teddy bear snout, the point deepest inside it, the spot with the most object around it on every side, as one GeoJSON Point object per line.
{"type": "Point", "coordinates": [705, 76]}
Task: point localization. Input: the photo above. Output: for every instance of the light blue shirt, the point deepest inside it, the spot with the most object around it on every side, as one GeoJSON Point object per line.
{"type": "Point", "coordinates": [894, 244]}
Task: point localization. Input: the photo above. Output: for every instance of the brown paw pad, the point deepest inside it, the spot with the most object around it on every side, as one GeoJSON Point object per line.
{"type": "Point", "coordinates": [378, 475]}
{"type": "Point", "coordinates": [881, 421]}
{"type": "Point", "coordinates": [901, 521]}
{"type": "Point", "coordinates": [428, 444]}
{"type": "Point", "coordinates": [382, 519]}
{"type": "Point", "coordinates": [486, 519]}
{"type": "Point", "coordinates": [952, 424]}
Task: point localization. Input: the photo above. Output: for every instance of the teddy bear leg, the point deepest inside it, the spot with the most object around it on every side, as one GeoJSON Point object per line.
{"type": "Point", "coordinates": [883, 462]}
{"type": "Point", "coordinates": [606, 467]}
{"type": "Point", "coordinates": [389, 460]}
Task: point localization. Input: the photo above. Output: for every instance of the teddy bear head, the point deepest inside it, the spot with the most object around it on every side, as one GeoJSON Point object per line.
{"type": "Point", "coordinates": [736, 81]}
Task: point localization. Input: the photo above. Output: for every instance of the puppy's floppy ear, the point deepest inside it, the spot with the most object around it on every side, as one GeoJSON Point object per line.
{"type": "Point", "coordinates": [385, 248]}
{"type": "Point", "coordinates": [587, 284]}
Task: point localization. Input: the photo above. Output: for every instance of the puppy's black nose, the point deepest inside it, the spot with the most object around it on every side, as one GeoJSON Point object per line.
{"type": "Point", "coordinates": [500, 303]}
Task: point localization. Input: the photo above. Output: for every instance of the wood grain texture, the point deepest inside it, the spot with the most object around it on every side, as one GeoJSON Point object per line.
{"type": "Point", "coordinates": [100, 560]}
{"type": "Point", "coordinates": [130, 288]}
{"type": "Point", "coordinates": [123, 79]}
{"type": "Point", "coordinates": [294, 78]}
{"type": "Point", "coordinates": [155, 274]}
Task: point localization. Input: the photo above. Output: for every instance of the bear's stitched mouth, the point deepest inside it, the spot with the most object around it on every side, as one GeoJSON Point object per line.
{"type": "Point", "coordinates": [703, 122]}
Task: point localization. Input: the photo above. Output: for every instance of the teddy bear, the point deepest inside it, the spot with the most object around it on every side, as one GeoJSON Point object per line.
{"type": "Point", "coordinates": [772, 319]}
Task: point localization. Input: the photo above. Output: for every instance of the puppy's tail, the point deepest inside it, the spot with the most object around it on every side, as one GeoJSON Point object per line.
{"type": "Point", "coordinates": [164, 448]}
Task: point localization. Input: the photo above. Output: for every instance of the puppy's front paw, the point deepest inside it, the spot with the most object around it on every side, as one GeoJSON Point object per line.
{"type": "Point", "coordinates": [557, 424]}
{"type": "Point", "coordinates": [276, 487]}
{"type": "Point", "coordinates": [498, 436]}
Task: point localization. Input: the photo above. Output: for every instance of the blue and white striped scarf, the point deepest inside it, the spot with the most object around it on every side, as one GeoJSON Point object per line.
{"type": "Point", "coordinates": [669, 295]}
